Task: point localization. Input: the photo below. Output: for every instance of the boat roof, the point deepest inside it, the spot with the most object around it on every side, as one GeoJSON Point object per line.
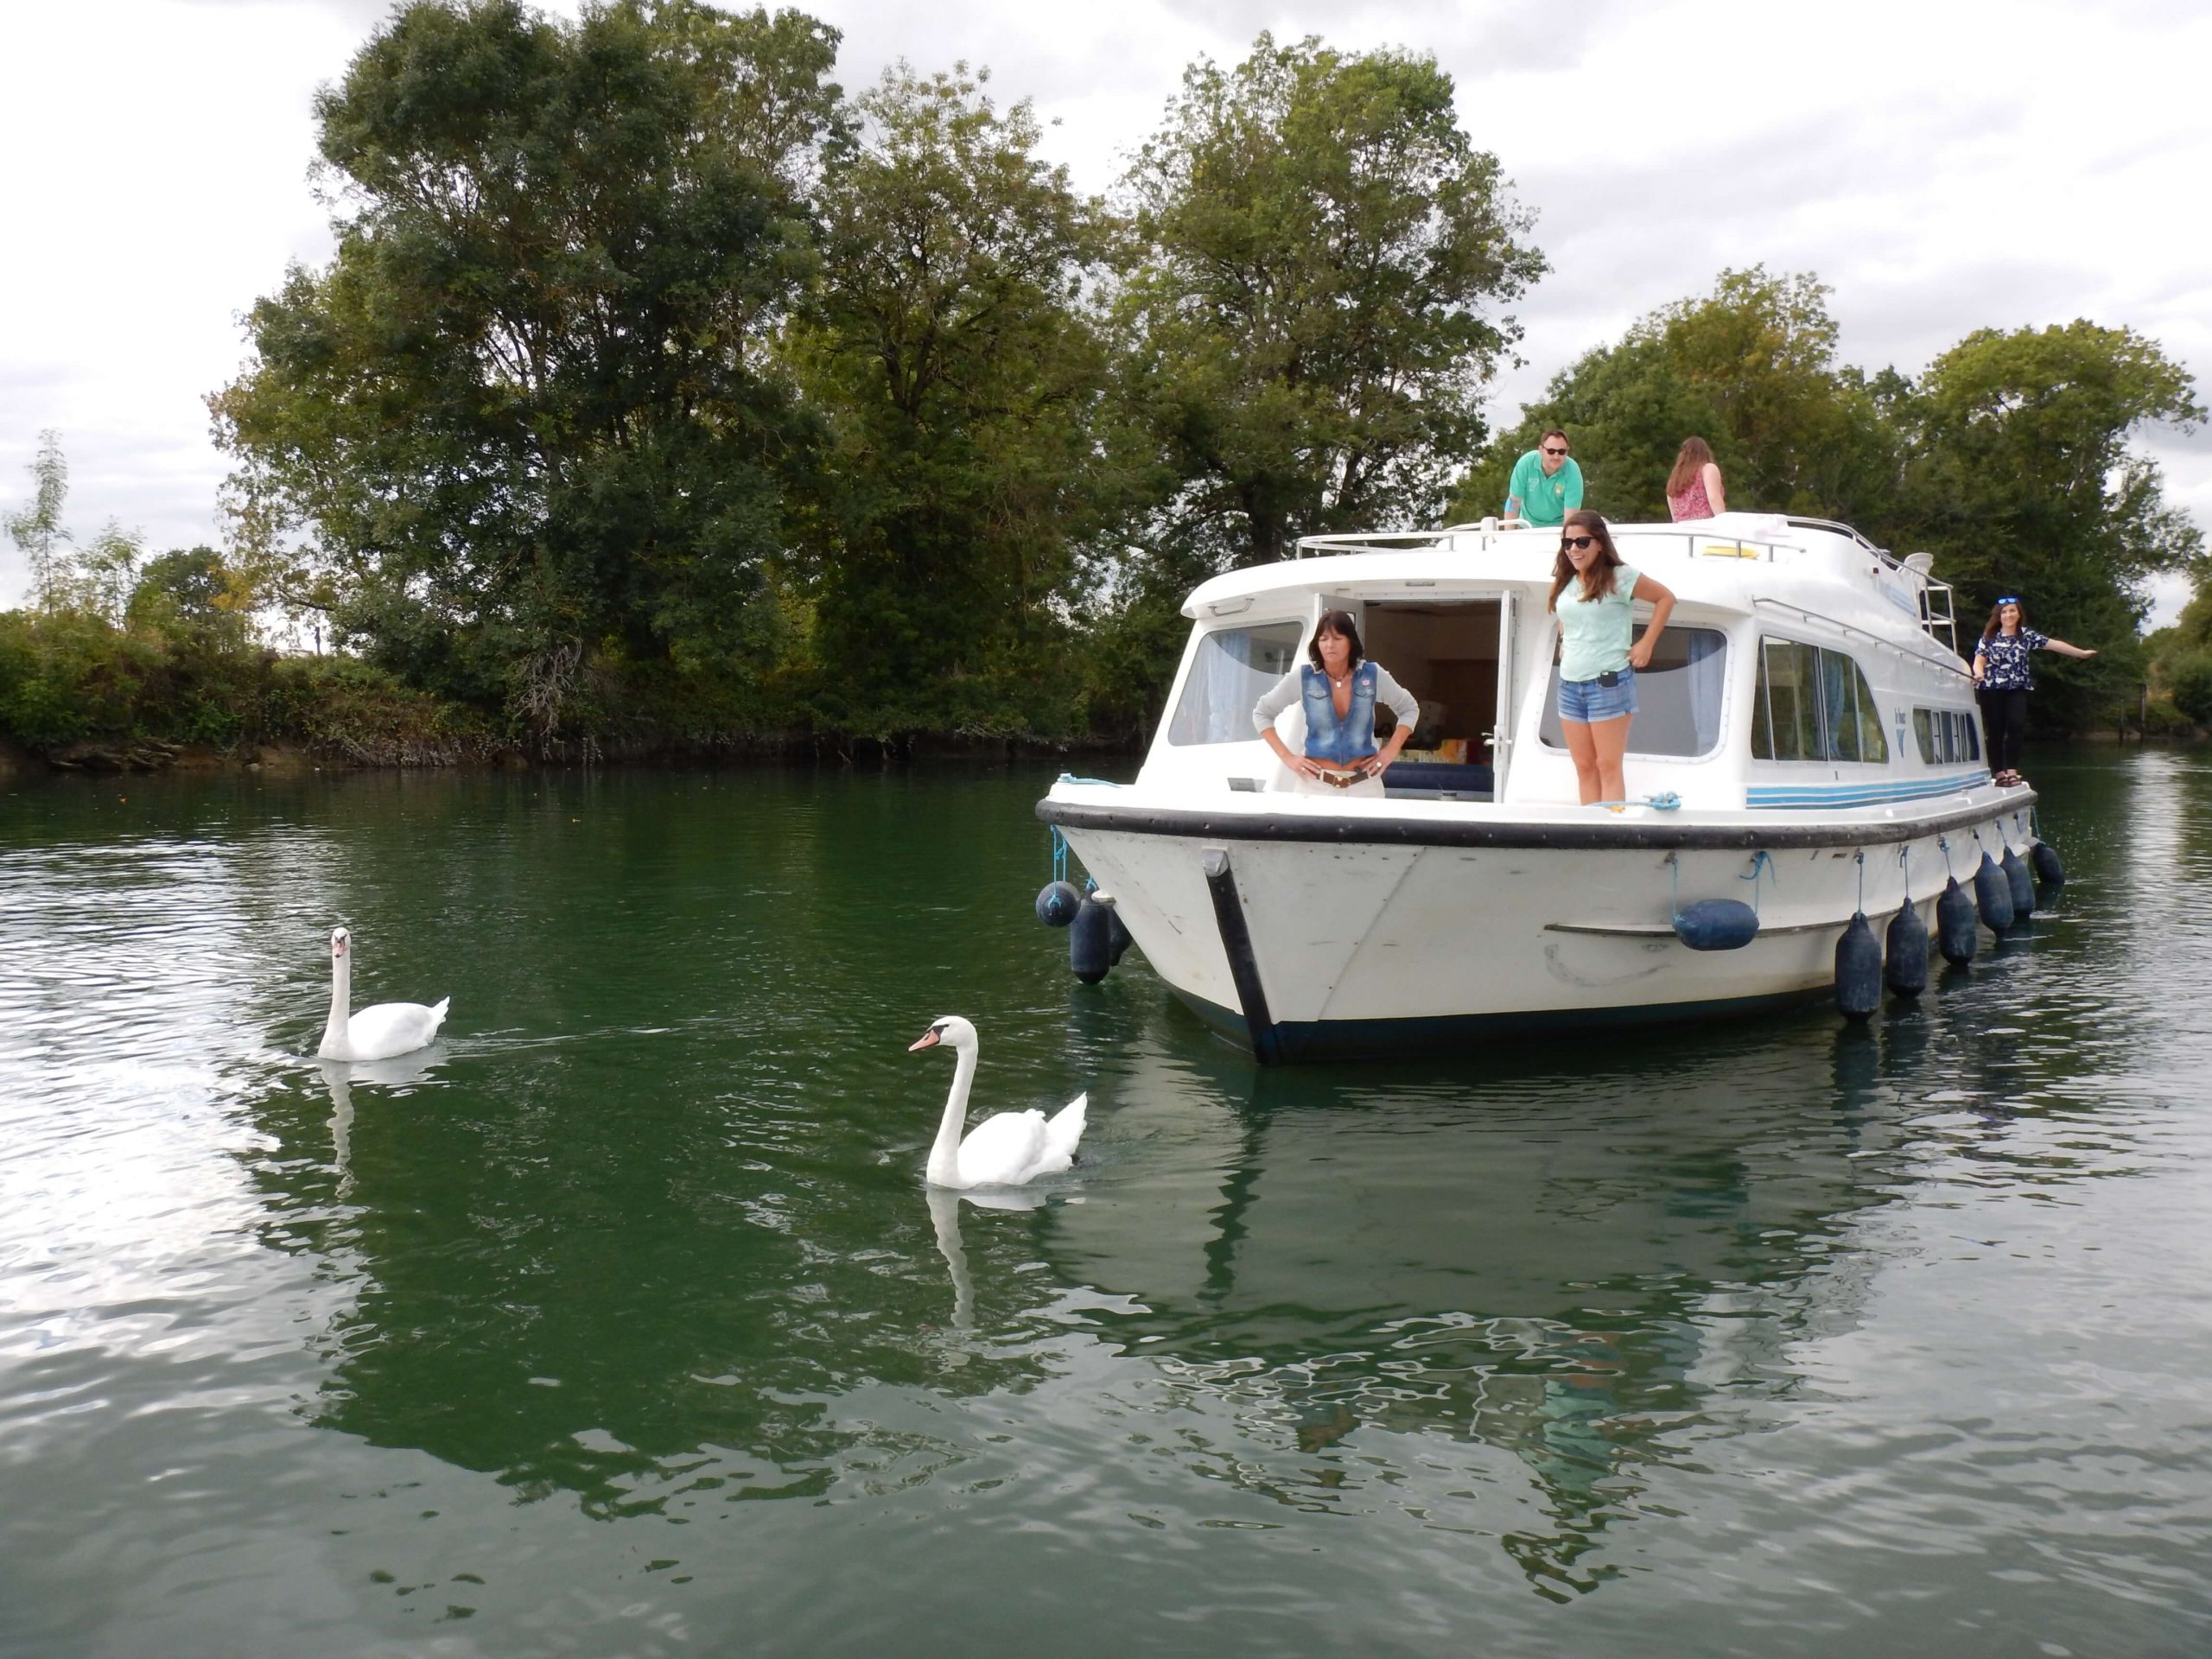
{"type": "Point", "coordinates": [1824, 571]}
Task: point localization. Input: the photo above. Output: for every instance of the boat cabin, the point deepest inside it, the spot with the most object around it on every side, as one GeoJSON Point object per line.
{"type": "Point", "coordinates": [1803, 666]}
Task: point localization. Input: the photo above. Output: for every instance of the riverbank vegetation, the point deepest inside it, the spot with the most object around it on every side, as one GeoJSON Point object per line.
{"type": "Point", "coordinates": [663, 397]}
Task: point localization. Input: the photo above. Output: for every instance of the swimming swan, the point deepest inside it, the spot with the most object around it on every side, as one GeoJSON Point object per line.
{"type": "Point", "coordinates": [1004, 1150]}
{"type": "Point", "coordinates": [376, 1033]}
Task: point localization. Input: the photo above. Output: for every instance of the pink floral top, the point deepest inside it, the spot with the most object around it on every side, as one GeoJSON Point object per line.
{"type": "Point", "coordinates": [1691, 503]}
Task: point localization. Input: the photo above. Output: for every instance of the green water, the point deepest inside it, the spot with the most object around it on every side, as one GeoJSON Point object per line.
{"type": "Point", "coordinates": [619, 1322]}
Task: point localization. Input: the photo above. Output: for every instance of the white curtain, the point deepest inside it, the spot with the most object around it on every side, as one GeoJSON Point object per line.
{"type": "Point", "coordinates": [1708, 666]}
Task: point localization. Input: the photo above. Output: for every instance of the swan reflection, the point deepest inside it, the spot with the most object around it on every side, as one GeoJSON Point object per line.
{"type": "Point", "coordinates": [944, 1215]}
{"type": "Point", "coordinates": [339, 1076]}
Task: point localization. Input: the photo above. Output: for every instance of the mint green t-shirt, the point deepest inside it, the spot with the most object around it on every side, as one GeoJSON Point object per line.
{"type": "Point", "coordinates": [1595, 634]}
{"type": "Point", "coordinates": [1545, 500]}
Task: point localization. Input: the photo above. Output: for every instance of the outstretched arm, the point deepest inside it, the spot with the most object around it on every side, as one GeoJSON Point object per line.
{"type": "Point", "coordinates": [2065, 650]}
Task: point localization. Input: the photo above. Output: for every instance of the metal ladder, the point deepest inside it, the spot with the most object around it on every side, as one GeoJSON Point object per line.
{"type": "Point", "coordinates": [1936, 612]}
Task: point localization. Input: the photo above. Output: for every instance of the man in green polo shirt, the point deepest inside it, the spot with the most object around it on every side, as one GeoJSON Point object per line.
{"type": "Point", "coordinates": [1547, 485]}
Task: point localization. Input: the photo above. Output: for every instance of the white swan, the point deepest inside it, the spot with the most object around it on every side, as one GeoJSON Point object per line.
{"type": "Point", "coordinates": [376, 1033]}
{"type": "Point", "coordinates": [1004, 1150]}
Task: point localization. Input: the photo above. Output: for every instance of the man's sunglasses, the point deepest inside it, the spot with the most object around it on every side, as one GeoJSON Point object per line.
{"type": "Point", "coordinates": [1550, 451]}
{"type": "Point", "coordinates": [1576, 541]}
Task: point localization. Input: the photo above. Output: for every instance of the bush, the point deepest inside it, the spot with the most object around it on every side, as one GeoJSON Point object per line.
{"type": "Point", "coordinates": [2189, 682]}
{"type": "Point", "coordinates": [68, 676]}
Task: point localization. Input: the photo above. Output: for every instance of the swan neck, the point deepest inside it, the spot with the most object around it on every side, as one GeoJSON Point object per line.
{"type": "Point", "coordinates": [342, 997]}
{"type": "Point", "coordinates": [944, 1156]}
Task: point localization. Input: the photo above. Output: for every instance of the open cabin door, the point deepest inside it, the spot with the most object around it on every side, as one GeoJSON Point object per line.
{"type": "Point", "coordinates": [1501, 733]}
{"type": "Point", "coordinates": [1323, 604]}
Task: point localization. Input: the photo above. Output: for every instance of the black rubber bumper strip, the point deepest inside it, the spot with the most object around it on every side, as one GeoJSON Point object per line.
{"type": "Point", "coordinates": [1243, 966]}
{"type": "Point", "coordinates": [1438, 832]}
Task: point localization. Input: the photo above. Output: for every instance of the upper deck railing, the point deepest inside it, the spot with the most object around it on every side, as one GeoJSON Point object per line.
{"type": "Point", "coordinates": [1936, 612]}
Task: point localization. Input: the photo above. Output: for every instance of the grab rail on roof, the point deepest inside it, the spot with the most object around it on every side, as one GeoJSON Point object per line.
{"type": "Point", "coordinates": [1935, 608]}
{"type": "Point", "coordinates": [1950, 662]}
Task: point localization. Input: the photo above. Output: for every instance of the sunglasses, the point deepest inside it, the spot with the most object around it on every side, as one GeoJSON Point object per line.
{"type": "Point", "coordinates": [2008, 599]}
{"type": "Point", "coordinates": [1576, 541]}
{"type": "Point", "coordinates": [1550, 451]}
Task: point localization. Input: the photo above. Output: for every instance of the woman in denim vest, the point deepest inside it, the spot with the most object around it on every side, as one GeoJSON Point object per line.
{"type": "Point", "coordinates": [1338, 688]}
{"type": "Point", "coordinates": [1592, 594]}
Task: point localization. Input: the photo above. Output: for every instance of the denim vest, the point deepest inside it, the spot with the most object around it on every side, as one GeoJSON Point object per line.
{"type": "Point", "coordinates": [1340, 743]}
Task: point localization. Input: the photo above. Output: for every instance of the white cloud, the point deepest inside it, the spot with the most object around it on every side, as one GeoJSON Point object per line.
{"type": "Point", "coordinates": [1980, 164]}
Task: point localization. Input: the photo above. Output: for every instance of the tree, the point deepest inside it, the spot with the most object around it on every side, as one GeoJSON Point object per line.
{"type": "Point", "coordinates": [193, 599]}
{"type": "Point", "coordinates": [95, 578]}
{"type": "Point", "coordinates": [1752, 369]}
{"type": "Point", "coordinates": [526, 419]}
{"type": "Point", "coordinates": [36, 528]}
{"type": "Point", "coordinates": [947, 350]}
{"type": "Point", "coordinates": [1309, 316]}
{"type": "Point", "coordinates": [2020, 481]}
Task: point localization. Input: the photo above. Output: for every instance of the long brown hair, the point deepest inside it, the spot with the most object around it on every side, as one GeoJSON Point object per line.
{"type": "Point", "coordinates": [1690, 462]}
{"type": "Point", "coordinates": [1996, 617]}
{"type": "Point", "coordinates": [1600, 581]}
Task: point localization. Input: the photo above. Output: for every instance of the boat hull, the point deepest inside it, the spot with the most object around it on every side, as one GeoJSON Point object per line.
{"type": "Point", "coordinates": [1306, 937]}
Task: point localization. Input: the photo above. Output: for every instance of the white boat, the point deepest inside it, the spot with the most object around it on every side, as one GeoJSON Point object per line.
{"type": "Point", "coordinates": [1807, 744]}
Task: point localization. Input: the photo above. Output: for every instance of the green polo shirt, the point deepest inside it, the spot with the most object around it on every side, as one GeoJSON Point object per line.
{"type": "Point", "coordinates": [1546, 500]}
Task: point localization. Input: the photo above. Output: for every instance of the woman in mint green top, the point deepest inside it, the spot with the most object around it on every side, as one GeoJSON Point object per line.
{"type": "Point", "coordinates": [1593, 595]}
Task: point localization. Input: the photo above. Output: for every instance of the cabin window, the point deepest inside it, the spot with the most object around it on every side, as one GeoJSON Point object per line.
{"type": "Point", "coordinates": [1678, 698]}
{"type": "Point", "coordinates": [1946, 735]}
{"type": "Point", "coordinates": [1814, 704]}
{"type": "Point", "coordinates": [1233, 667]}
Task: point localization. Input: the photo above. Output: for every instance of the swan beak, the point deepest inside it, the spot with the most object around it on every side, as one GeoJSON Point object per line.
{"type": "Point", "coordinates": [928, 1039]}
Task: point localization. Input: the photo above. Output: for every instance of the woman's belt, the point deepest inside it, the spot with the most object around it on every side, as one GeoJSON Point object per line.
{"type": "Point", "coordinates": [1335, 778]}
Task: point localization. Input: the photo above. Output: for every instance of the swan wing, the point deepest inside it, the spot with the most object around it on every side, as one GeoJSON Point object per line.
{"type": "Point", "coordinates": [1064, 1129]}
{"type": "Point", "coordinates": [389, 1028]}
{"type": "Point", "coordinates": [1004, 1150]}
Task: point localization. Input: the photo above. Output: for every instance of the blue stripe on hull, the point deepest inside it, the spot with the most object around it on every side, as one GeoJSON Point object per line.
{"type": "Point", "coordinates": [1860, 794]}
{"type": "Point", "coordinates": [1298, 1042]}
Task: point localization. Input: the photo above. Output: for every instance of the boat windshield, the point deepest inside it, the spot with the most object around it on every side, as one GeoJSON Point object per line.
{"type": "Point", "coordinates": [1233, 667]}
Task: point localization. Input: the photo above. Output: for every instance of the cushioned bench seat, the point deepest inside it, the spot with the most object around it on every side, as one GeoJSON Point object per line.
{"type": "Point", "coordinates": [1437, 777]}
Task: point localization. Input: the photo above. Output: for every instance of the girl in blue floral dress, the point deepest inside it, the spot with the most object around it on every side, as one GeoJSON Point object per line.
{"type": "Point", "coordinates": [2002, 681]}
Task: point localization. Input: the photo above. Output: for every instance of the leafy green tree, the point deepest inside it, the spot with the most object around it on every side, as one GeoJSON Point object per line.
{"type": "Point", "coordinates": [193, 599]}
{"type": "Point", "coordinates": [1311, 314]}
{"type": "Point", "coordinates": [1752, 369]}
{"type": "Point", "coordinates": [2020, 480]}
{"type": "Point", "coordinates": [95, 577]}
{"type": "Point", "coordinates": [36, 528]}
{"type": "Point", "coordinates": [947, 349]}
{"type": "Point", "coordinates": [527, 421]}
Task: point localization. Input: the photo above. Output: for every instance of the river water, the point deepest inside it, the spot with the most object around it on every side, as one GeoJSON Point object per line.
{"type": "Point", "coordinates": [620, 1322]}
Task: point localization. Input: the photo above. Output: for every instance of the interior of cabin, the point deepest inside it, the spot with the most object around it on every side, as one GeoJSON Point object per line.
{"type": "Point", "coordinates": [1447, 656]}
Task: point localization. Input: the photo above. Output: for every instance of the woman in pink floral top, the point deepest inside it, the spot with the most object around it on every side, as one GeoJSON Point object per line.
{"type": "Point", "coordinates": [1693, 487]}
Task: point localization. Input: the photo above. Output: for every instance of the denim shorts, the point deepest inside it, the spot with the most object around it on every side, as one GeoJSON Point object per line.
{"type": "Point", "coordinates": [1590, 701]}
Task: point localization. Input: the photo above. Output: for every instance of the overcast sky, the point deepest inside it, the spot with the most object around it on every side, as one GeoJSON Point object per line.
{"type": "Point", "coordinates": [1943, 167]}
